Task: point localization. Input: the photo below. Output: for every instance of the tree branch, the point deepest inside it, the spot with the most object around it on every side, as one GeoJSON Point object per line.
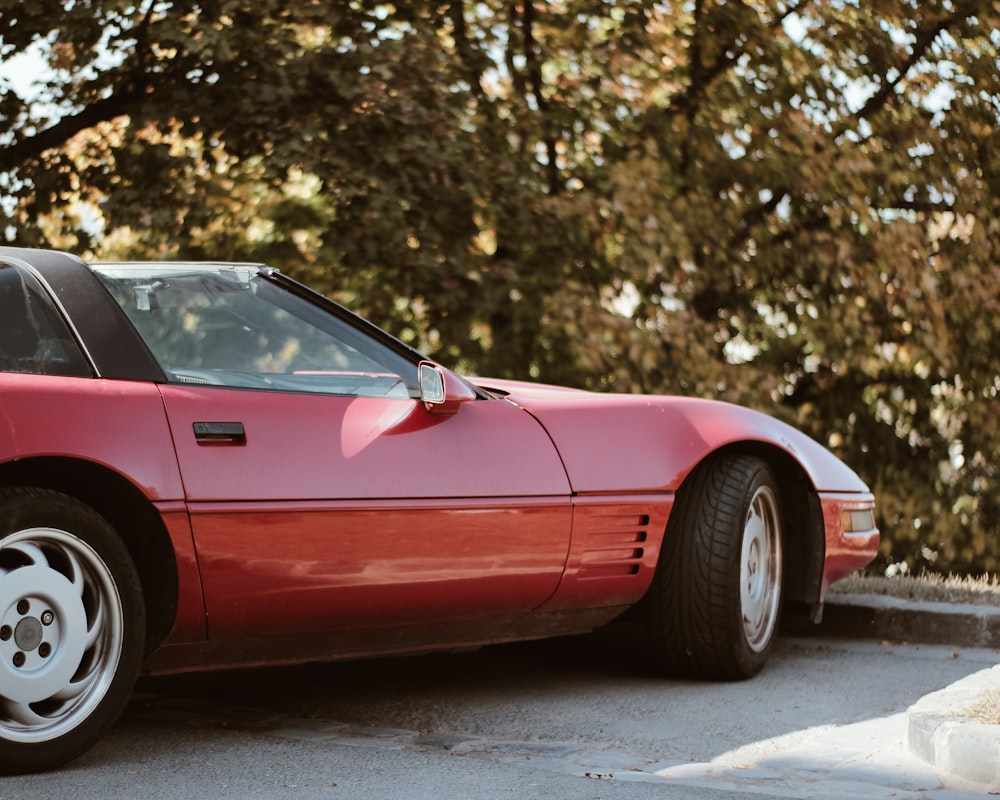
{"type": "Point", "coordinates": [466, 53]}
{"type": "Point", "coordinates": [119, 103]}
{"type": "Point", "coordinates": [537, 87]}
{"type": "Point", "coordinates": [924, 40]}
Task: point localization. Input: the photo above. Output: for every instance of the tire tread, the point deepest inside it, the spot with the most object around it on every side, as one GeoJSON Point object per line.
{"type": "Point", "coordinates": [692, 625]}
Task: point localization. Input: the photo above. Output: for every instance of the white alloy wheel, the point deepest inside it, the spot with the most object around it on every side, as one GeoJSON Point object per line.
{"type": "Point", "coordinates": [60, 633]}
{"type": "Point", "coordinates": [72, 628]}
{"type": "Point", "coordinates": [760, 569]}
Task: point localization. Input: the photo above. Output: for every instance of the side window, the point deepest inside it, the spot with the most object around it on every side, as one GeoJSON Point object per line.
{"type": "Point", "coordinates": [33, 336]}
{"type": "Point", "coordinates": [229, 326]}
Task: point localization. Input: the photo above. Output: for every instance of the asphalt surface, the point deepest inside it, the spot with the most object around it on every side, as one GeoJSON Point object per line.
{"type": "Point", "coordinates": [938, 730]}
{"type": "Point", "coordinates": [855, 712]}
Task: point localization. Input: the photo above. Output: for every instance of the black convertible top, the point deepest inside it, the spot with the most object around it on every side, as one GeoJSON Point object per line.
{"type": "Point", "coordinates": [104, 331]}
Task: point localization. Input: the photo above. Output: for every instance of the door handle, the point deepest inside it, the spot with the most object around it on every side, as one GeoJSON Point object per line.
{"type": "Point", "coordinates": [220, 433]}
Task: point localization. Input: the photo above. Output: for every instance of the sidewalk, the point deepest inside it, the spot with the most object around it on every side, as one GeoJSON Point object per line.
{"type": "Point", "coordinates": [937, 732]}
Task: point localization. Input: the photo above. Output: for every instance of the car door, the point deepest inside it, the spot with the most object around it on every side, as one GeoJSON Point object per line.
{"type": "Point", "coordinates": [327, 502]}
{"type": "Point", "coordinates": [330, 512]}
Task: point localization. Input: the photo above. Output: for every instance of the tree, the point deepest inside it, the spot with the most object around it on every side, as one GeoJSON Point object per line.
{"type": "Point", "coordinates": [792, 204]}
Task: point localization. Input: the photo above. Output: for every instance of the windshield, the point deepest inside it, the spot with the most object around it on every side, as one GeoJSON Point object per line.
{"type": "Point", "coordinates": [232, 326]}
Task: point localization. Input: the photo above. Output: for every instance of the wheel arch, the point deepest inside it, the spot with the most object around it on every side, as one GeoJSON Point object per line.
{"type": "Point", "coordinates": [804, 539]}
{"type": "Point", "coordinates": [129, 512]}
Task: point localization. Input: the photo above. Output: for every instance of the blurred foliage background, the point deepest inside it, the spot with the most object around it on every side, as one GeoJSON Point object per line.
{"type": "Point", "coordinates": [789, 204]}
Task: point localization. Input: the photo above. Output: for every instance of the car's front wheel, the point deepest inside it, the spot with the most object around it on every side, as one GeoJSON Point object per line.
{"type": "Point", "coordinates": [71, 628]}
{"type": "Point", "coordinates": [715, 602]}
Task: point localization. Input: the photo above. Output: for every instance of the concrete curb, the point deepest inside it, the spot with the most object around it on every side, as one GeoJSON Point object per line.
{"type": "Point", "coordinates": [893, 619]}
{"type": "Point", "coordinates": [962, 747]}
{"type": "Point", "coordinates": [936, 730]}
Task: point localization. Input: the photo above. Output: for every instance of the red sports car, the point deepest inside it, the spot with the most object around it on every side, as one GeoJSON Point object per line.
{"type": "Point", "coordinates": [208, 465]}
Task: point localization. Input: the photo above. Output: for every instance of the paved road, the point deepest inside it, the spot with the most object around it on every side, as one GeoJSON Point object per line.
{"type": "Point", "coordinates": [576, 719]}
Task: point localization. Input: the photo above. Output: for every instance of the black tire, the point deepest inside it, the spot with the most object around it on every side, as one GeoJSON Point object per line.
{"type": "Point", "coordinates": [72, 624]}
{"type": "Point", "coordinates": [713, 608]}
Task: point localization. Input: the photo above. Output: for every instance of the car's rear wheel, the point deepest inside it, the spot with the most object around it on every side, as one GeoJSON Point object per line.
{"type": "Point", "coordinates": [71, 628]}
{"type": "Point", "coordinates": [714, 606]}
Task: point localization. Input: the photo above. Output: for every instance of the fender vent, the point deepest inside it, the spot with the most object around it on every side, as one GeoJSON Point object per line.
{"type": "Point", "coordinates": [614, 545]}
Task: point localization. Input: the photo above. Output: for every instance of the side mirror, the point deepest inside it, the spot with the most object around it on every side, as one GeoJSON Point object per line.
{"type": "Point", "coordinates": [440, 391]}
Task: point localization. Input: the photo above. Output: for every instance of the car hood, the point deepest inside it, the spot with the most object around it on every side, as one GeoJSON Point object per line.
{"type": "Point", "coordinates": [642, 443]}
